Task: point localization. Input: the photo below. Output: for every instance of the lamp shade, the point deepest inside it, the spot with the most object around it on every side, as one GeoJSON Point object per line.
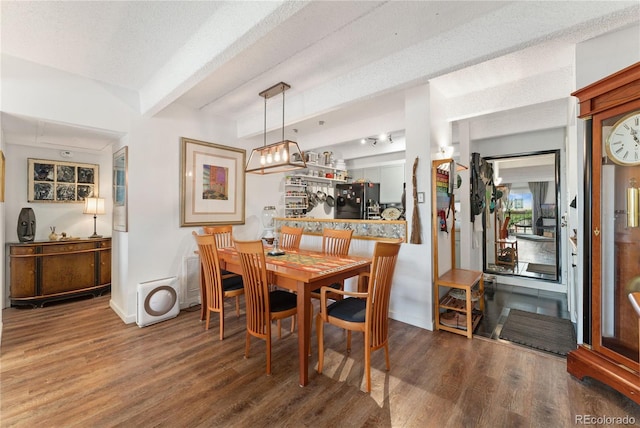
{"type": "Point", "coordinates": [94, 206]}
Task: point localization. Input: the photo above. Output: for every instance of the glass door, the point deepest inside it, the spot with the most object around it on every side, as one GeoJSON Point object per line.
{"type": "Point", "coordinates": [617, 247]}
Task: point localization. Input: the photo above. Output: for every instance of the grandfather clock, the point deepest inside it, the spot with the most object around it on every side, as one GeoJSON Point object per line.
{"type": "Point", "coordinates": [611, 110]}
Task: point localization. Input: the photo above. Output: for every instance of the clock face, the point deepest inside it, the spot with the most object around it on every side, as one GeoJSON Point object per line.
{"type": "Point", "coordinates": [623, 144]}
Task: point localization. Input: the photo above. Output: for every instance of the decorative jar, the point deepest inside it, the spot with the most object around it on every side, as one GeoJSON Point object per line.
{"type": "Point", "coordinates": [268, 214]}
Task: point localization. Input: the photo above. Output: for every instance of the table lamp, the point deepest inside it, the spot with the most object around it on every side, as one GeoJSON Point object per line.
{"type": "Point", "coordinates": [94, 206]}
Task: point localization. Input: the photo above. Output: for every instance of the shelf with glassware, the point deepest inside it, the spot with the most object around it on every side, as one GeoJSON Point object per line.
{"type": "Point", "coordinates": [296, 199]}
{"type": "Point", "coordinates": [324, 173]}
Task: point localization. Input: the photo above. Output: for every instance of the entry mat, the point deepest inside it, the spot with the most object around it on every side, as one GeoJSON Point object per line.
{"type": "Point", "coordinates": [538, 331]}
{"type": "Point", "coordinates": [541, 268]}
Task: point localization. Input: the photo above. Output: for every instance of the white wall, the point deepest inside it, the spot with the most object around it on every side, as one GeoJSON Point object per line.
{"type": "Point", "coordinates": [2, 236]}
{"type": "Point", "coordinates": [412, 292]}
{"type": "Point", "coordinates": [66, 217]}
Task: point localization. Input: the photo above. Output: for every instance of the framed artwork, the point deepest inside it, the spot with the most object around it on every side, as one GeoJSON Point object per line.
{"type": "Point", "coordinates": [2, 174]}
{"type": "Point", "coordinates": [212, 184]}
{"type": "Point", "coordinates": [59, 181]}
{"type": "Point", "coordinates": [120, 190]}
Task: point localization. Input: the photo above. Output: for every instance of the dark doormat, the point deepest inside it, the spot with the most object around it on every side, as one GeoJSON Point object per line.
{"type": "Point", "coordinates": [537, 331]}
{"type": "Point", "coordinates": [541, 268]}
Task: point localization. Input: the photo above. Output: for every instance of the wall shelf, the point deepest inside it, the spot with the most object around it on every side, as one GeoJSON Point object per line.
{"type": "Point", "coordinates": [321, 179]}
{"type": "Point", "coordinates": [295, 197]}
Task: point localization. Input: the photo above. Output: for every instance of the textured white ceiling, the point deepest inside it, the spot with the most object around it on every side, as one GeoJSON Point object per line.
{"type": "Point", "coordinates": [346, 61]}
{"type": "Point", "coordinates": [120, 43]}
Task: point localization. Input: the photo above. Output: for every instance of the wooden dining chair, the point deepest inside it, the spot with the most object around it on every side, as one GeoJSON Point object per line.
{"type": "Point", "coordinates": [335, 243]}
{"type": "Point", "coordinates": [218, 286]}
{"type": "Point", "coordinates": [262, 304]}
{"type": "Point", "coordinates": [367, 312]}
{"type": "Point", "coordinates": [290, 238]}
{"type": "Point", "coordinates": [223, 235]}
{"type": "Point", "coordinates": [224, 239]}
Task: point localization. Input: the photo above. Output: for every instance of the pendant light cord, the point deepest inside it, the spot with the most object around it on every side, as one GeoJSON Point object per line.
{"type": "Point", "coordinates": [283, 91]}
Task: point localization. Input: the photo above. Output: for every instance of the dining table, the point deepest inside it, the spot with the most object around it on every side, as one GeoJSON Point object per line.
{"type": "Point", "coordinates": [302, 271]}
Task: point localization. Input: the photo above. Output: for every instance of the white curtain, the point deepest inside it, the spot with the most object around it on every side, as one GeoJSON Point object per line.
{"type": "Point", "coordinates": [539, 195]}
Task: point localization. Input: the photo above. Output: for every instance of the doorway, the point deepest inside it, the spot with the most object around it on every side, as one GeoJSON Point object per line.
{"type": "Point", "coordinates": [521, 233]}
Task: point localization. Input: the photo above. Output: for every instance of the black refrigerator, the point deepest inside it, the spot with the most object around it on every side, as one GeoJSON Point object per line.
{"type": "Point", "coordinates": [353, 199]}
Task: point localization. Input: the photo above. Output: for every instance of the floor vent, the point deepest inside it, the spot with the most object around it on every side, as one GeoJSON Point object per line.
{"type": "Point", "coordinates": [190, 282]}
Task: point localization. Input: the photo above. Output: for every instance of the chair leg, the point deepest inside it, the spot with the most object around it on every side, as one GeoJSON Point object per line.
{"type": "Point", "coordinates": [237, 306]}
{"type": "Point", "coordinates": [246, 346]}
{"type": "Point", "coordinates": [386, 355]}
{"type": "Point", "coordinates": [221, 325]}
{"type": "Point", "coordinates": [207, 317]}
{"type": "Point", "coordinates": [279, 329]}
{"type": "Point", "coordinates": [320, 333]}
{"type": "Point", "coordinates": [348, 340]}
{"type": "Point", "coordinates": [367, 361]}
{"type": "Point", "coordinates": [293, 323]}
{"type": "Point", "coordinates": [269, 354]}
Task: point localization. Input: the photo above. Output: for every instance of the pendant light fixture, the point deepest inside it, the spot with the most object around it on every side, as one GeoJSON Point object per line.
{"type": "Point", "coordinates": [282, 156]}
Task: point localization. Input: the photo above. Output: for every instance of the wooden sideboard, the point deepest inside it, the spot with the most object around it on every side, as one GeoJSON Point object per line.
{"type": "Point", "coordinates": [45, 271]}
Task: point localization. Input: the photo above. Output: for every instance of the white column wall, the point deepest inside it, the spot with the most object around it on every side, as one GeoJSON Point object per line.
{"type": "Point", "coordinates": [412, 295]}
{"type": "Point", "coordinates": [470, 257]}
{"type": "Point", "coordinates": [155, 245]}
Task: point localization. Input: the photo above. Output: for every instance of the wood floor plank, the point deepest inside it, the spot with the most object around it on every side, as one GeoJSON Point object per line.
{"type": "Point", "coordinates": [77, 365]}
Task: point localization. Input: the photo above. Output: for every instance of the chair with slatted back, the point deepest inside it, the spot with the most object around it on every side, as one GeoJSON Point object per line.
{"type": "Point", "coordinates": [262, 304]}
{"type": "Point", "coordinates": [224, 239]}
{"type": "Point", "coordinates": [290, 238]}
{"type": "Point", "coordinates": [217, 287]}
{"type": "Point", "coordinates": [367, 312]}
{"type": "Point", "coordinates": [223, 235]}
{"type": "Point", "coordinates": [336, 243]}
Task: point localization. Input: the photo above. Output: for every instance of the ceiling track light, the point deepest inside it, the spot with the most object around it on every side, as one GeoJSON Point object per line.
{"type": "Point", "coordinates": [374, 140]}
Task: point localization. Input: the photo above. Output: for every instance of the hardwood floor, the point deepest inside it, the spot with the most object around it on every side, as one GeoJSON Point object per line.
{"type": "Point", "coordinates": [77, 365]}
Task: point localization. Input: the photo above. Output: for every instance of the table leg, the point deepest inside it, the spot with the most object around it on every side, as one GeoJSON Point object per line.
{"type": "Point", "coordinates": [304, 329]}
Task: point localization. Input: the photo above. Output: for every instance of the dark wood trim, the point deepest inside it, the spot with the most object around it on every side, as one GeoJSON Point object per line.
{"type": "Point", "coordinates": [617, 88]}
{"type": "Point", "coordinates": [583, 363]}
{"type": "Point", "coordinates": [586, 233]}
